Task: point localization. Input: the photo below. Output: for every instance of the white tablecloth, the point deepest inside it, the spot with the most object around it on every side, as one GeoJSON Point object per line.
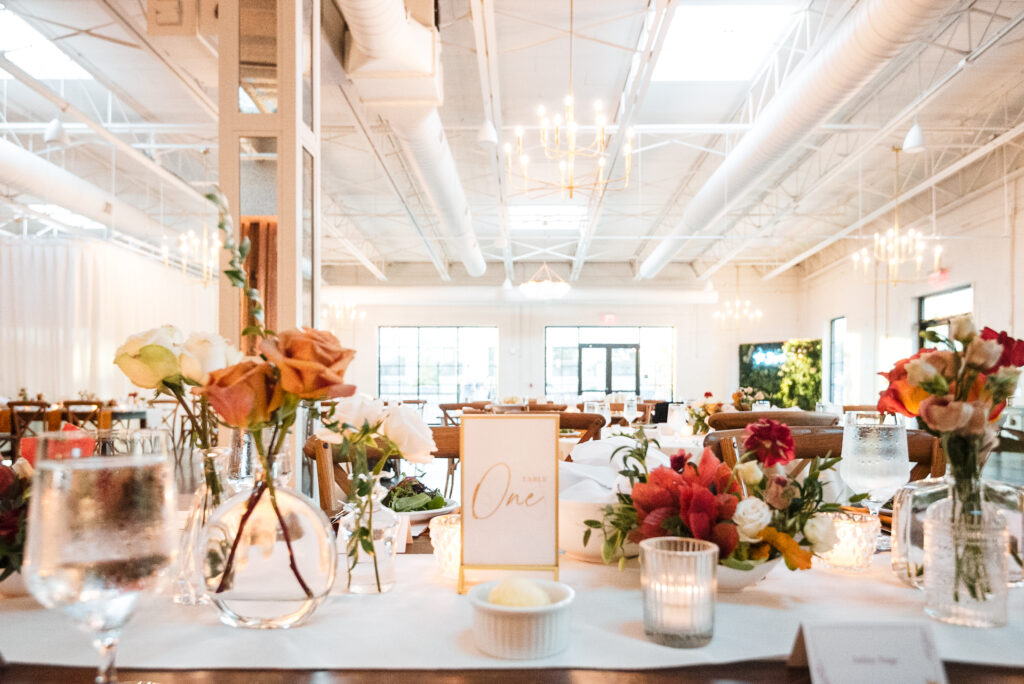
{"type": "Point", "coordinates": [426, 625]}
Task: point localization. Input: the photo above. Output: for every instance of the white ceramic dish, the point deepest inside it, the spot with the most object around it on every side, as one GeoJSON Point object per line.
{"type": "Point", "coordinates": [425, 516]}
{"type": "Point", "coordinates": [731, 580]}
{"type": "Point", "coordinates": [571, 515]}
{"type": "Point", "coordinates": [522, 633]}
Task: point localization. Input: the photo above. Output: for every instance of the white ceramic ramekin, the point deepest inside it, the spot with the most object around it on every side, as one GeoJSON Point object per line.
{"type": "Point", "coordinates": [522, 633]}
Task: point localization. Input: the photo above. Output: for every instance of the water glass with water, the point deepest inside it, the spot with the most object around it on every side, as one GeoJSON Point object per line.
{"type": "Point", "coordinates": [875, 458]}
{"type": "Point", "coordinates": [101, 528]}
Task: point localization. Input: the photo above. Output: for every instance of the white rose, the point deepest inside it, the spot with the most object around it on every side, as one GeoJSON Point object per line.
{"type": "Point", "coordinates": [749, 472]}
{"type": "Point", "coordinates": [962, 328]}
{"type": "Point", "coordinates": [752, 515]}
{"type": "Point", "coordinates": [821, 532]}
{"type": "Point", "coordinates": [982, 354]}
{"type": "Point", "coordinates": [204, 353]}
{"type": "Point", "coordinates": [150, 357]}
{"type": "Point", "coordinates": [920, 372]}
{"type": "Point", "coordinates": [23, 469]}
{"type": "Point", "coordinates": [404, 426]}
{"type": "Point", "coordinates": [359, 409]}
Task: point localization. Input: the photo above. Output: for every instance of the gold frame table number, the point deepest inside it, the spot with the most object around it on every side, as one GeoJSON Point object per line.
{"type": "Point", "coordinates": [509, 493]}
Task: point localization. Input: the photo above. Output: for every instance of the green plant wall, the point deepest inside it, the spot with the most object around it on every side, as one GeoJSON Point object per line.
{"type": "Point", "coordinates": [800, 375]}
{"type": "Point", "coordinates": [757, 369]}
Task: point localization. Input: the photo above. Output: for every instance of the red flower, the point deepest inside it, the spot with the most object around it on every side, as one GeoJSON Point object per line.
{"type": "Point", "coordinates": [727, 537]}
{"type": "Point", "coordinates": [678, 460]}
{"type": "Point", "coordinates": [1013, 349]}
{"type": "Point", "coordinates": [651, 525]}
{"type": "Point", "coordinates": [770, 441]}
{"type": "Point", "coordinates": [711, 473]}
{"type": "Point", "coordinates": [10, 522]}
{"type": "Point", "coordinates": [707, 395]}
{"type": "Point", "coordinates": [7, 478]}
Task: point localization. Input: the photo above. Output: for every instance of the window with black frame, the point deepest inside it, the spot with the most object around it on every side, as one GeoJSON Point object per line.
{"type": "Point", "coordinates": [936, 311]}
{"type": "Point", "coordinates": [836, 365]}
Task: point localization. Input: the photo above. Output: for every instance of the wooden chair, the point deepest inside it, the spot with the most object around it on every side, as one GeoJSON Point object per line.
{"type": "Point", "coordinates": [327, 473]}
{"type": "Point", "coordinates": [859, 407]}
{"type": "Point", "coordinates": [28, 419]}
{"type": "Point", "coordinates": [811, 441]}
{"type": "Point", "coordinates": [447, 441]}
{"type": "Point", "coordinates": [739, 419]}
{"type": "Point", "coordinates": [545, 408]}
{"type": "Point", "coordinates": [6, 436]}
{"type": "Point", "coordinates": [86, 414]}
{"type": "Point", "coordinates": [449, 419]}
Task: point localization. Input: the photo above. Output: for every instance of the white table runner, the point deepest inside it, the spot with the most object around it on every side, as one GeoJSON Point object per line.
{"type": "Point", "coordinates": [422, 623]}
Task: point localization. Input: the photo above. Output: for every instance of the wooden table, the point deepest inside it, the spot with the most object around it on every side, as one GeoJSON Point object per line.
{"type": "Point", "coordinates": [753, 671]}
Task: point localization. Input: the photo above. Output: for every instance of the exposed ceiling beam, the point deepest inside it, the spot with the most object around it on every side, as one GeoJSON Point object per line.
{"type": "Point", "coordinates": [926, 184]}
{"type": "Point", "coordinates": [657, 20]}
{"type": "Point", "coordinates": [205, 102]}
{"type": "Point", "coordinates": [484, 35]}
{"type": "Point", "coordinates": [140, 127]}
{"type": "Point", "coordinates": [122, 146]}
{"type": "Point", "coordinates": [848, 161]}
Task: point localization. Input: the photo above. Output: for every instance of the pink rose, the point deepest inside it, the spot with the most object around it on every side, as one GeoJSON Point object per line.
{"type": "Point", "coordinates": [943, 414]}
{"type": "Point", "coordinates": [983, 354]}
{"type": "Point", "coordinates": [944, 362]}
{"type": "Point", "coordinates": [977, 420]}
{"type": "Point", "coordinates": [779, 493]}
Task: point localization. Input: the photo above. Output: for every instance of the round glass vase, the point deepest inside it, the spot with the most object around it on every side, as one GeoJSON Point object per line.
{"type": "Point", "coordinates": [269, 557]}
{"type": "Point", "coordinates": [370, 573]}
{"type": "Point", "coordinates": [213, 489]}
{"type": "Point", "coordinates": [965, 553]}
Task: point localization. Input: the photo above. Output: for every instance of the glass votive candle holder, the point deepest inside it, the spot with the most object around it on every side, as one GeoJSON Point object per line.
{"type": "Point", "coordinates": [856, 533]}
{"type": "Point", "coordinates": [677, 578]}
{"type": "Point", "coordinates": [446, 538]}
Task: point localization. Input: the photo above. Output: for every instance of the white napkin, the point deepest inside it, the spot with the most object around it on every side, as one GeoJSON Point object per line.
{"type": "Point", "coordinates": [570, 474]}
{"type": "Point", "coordinates": [599, 452]}
{"type": "Point", "coordinates": [587, 491]}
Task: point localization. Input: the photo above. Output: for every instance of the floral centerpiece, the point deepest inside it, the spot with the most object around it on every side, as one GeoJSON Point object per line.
{"type": "Point", "coordinates": [15, 486]}
{"type": "Point", "coordinates": [361, 425]}
{"type": "Point", "coordinates": [700, 410]}
{"type": "Point", "coordinates": [754, 512]}
{"type": "Point", "coordinates": [958, 391]}
{"type": "Point", "coordinates": [743, 399]}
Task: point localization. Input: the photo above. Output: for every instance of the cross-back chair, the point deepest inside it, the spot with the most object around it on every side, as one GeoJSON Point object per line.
{"type": "Point", "coordinates": [739, 419]}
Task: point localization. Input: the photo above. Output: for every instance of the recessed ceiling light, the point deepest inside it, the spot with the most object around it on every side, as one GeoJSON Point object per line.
{"type": "Point", "coordinates": [34, 53]}
{"type": "Point", "coordinates": [721, 41]}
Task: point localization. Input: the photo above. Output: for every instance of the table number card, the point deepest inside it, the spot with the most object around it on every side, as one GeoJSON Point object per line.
{"type": "Point", "coordinates": [509, 493]}
{"type": "Point", "coordinates": [858, 652]}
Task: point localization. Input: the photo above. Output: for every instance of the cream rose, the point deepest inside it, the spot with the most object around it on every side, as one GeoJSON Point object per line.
{"type": "Point", "coordinates": [150, 357]}
{"type": "Point", "coordinates": [358, 409]}
{"type": "Point", "coordinates": [404, 426]}
{"type": "Point", "coordinates": [982, 354]}
{"type": "Point", "coordinates": [821, 532]}
{"type": "Point", "coordinates": [23, 469]}
{"type": "Point", "coordinates": [920, 372]}
{"type": "Point", "coordinates": [204, 353]}
{"type": "Point", "coordinates": [749, 472]}
{"type": "Point", "coordinates": [962, 328]}
{"type": "Point", "coordinates": [752, 515]}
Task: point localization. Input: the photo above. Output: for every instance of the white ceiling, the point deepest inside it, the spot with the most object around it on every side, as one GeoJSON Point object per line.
{"type": "Point", "coordinates": [374, 208]}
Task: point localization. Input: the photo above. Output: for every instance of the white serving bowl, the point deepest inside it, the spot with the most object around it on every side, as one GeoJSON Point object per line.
{"type": "Point", "coordinates": [522, 633]}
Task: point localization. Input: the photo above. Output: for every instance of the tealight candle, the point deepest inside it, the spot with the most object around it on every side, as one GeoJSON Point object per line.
{"type": "Point", "coordinates": [856, 533]}
{"type": "Point", "coordinates": [677, 577]}
{"type": "Point", "coordinates": [446, 538]}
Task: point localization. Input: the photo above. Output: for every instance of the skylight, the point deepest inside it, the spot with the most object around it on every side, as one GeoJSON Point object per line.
{"type": "Point", "coordinates": [31, 51]}
{"type": "Point", "coordinates": [721, 41]}
{"type": "Point", "coordinates": [66, 217]}
{"type": "Point", "coordinates": [547, 218]}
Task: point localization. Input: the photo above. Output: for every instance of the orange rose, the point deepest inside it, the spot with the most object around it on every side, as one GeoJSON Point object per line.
{"type": "Point", "coordinates": [243, 395]}
{"type": "Point", "coordinates": [312, 363]}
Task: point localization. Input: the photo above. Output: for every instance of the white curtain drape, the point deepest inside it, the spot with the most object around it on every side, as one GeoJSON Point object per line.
{"type": "Point", "coordinates": [67, 305]}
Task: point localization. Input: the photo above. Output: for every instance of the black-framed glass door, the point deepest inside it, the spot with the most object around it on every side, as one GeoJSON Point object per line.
{"type": "Point", "coordinates": [609, 368]}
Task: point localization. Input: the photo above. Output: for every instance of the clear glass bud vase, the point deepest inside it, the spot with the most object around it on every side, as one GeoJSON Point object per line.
{"type": "Point", "coordinates": [213, 489]}
{"type": "Point", "coordinates": [911, 504]}
{"type": "Point", "coordinates": [370, 573]}
{"type": "Point", "coordinates": [965, 553]}
{"type": "Point", "coordinates": [269, 554]}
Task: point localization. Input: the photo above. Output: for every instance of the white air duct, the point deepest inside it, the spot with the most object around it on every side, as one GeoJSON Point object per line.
{"type": "Point", "coordinates": [32, 175]}
{"type": "Point", "coordinates": [874, 34]}
{"type": "Point", "coordinates": [394, 62]}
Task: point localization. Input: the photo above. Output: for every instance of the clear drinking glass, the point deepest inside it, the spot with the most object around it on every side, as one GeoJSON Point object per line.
{"type": "Point", "coordinates": [875, 458]}
{"type": "Point", "coordinates": [591, 407]}
{"type": "Point", "coordinates": [629, 411]}
{"type": "Point", "coordinates": [677, 577]}
{"type": "Point", "coordinates": [676, 417]}
{"type": "Point", "coordinates": [101, 528]}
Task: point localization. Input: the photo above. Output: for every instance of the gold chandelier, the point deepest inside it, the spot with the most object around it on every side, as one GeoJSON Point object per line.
{"type": "Point", "coordinates": [897, 250]}
{"type": "Point", "coordinates": [559, 141]}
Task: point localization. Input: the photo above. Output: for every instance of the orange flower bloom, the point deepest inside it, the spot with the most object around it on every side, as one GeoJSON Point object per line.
{"type": "Point", "coordinates": [797, 557]}
{"type": "Point", "coordinates": [312, 363]}
{"type": "Point", "coordinates": [243, 395]}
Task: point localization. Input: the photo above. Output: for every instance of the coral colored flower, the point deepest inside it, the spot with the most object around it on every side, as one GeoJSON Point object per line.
{"type": "Point", "coordinates": [243, 395]}
{"type": "Point", "coordinates": [710, 472]}
{"type": "Point", "coordinates": [652, 524]}
{"type": "Point", "coordinates": [797, 557]}
{"type": "Point", "coordinates": [312, 363]}
{"type": "Point", "coordinates": [1013, 349]}
{"type": "Point", "coordinates": [902, 397]}
{"type": "Point", "coordinates": [727, 537]}
{"type": "Point", "coordinates": [770, 441]}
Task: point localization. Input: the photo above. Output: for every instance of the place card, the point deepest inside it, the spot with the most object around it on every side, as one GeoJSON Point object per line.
{"type": "Point", "coordinates": [509, 468]}
{"type": "Point", "coordinates": [858, 652]}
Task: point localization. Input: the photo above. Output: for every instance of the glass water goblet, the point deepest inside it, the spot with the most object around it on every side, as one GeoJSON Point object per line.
{"type": "Point", "coordinates": [875, 459]}
{"type": "Point", "coordinates": [676, 417]}
{"type": "Point", "coordinates": [101, 528]}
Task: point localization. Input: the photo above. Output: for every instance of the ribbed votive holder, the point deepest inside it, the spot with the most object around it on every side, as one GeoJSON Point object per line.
{"type": "Point", "coordinates": [677, 577]}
